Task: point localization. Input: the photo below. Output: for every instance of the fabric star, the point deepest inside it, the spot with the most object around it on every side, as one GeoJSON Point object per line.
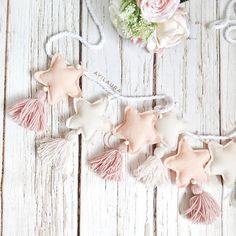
{"type": "Point", "coordinates": [188, 164]}
{"type": "Point", "coordinates": [223, 161]}
{"type": "Point", "coordinates": [89, 117]}
{"type": "Point", "coordinates": [169, 126]}
{"type": "Point", "coordinates": [138, 129]}
{"type": "Point", "coordinates": [60, 79]}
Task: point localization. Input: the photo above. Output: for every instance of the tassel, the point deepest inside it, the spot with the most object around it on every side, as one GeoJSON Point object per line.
{"type": "Point", "coordinates": [152, 172]}
{"type": "Point", "coordinates": [108, 165]}
{"type": "Point", "coordinates": [55, 151]}
{"type": "Point", "coordinates": [202, 207]}
{"type": "Point", "coordinates": [29, 113]}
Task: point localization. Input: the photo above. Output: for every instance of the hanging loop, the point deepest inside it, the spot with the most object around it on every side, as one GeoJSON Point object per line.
{"type": "Point", "coordinates": [67, 34]}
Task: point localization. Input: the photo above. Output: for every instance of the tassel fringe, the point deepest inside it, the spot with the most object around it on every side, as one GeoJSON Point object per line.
{"type": "Point", "coordinates": [108, 165]}
{"type": "Point", "coordinates": [55, 151]}
{"type": "Point", "coordinates": [203, 209]}
{"type": "Point", "coordinates": [30, 113]}
{"type": "Point", "coordinates": [152, 172]}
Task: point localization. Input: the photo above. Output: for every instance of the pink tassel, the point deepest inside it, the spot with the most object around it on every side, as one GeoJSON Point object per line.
{"type": "Point", "coordinates": [202, 207]}
{"type": "Point", "coordinates": [109, 164]}
{"type": "Point", "coordinates": [29, 113]}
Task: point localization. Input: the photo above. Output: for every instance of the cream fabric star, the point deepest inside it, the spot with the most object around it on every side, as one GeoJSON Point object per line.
{"type": "Point", "coordinates": [223, 161]}
{"type": "Point", "coordinates": [188, 164]}
{"type": "Point", "coordinates": [138, 129]}
{"type": "Point", "coordinates": [89, 117]}
{"type": "Point", "coordinates": [60, 79]}
{"type": "Point", "coordinates": [169, 126]}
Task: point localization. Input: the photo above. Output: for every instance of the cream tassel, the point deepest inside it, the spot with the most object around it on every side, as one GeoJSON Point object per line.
{"type": "Point", "coordinates": [152, 172]}
{"type": "Point", "coordinates": [56, 151]}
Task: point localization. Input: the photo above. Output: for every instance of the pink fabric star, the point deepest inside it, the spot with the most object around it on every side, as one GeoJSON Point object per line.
{"type": "Point", "coordinates": [188, 164]}
{"type": "Point", "coordinates": [60, 79]}
{"type": "Point", "coordinates": [138, 129]}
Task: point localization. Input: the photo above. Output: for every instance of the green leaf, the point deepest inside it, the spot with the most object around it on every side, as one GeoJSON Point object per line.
{"type": "Point", "coordinates": [132, 21]}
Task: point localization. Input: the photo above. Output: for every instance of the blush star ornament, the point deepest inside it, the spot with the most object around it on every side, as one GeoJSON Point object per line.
{"type": "Point", "coordinates": [60, 79]}
{"type": "Point", "coordinates": [188, 164]}
{"type": "Point", "coordinates": [137, 130]}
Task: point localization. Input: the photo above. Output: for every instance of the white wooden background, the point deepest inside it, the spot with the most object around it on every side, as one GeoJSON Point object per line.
{"type": "Point", "coordinates": [36, 199]}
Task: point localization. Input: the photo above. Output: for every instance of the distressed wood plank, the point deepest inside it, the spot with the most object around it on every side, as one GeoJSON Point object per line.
{"type": "Point", "coordinates": [193, 81]}
{"type": "Point", "coordinates": [18, 190]}
{"type": "Point", "coordinates": [228, 117]}
{"type": "Point", "coordinates": [117, 209]}
{"type": "Point", "coordinates": [57, 210]}
{"type": "Point", "coordinates": [18, 196]}
{"type": "Point", "coordinates": [98, 208]}
{"type": "Point", "coordinates": [37, 199]}
{"type": "Point", "coordinates": [135, 202]}
{"type": "Point", "coordinates": [3, 33]}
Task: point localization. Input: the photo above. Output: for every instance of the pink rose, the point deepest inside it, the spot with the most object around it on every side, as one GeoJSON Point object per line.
{"type": "Point", "coordinates": [170, 32]}
{"type": "Point", "coordinates": [158, 10]}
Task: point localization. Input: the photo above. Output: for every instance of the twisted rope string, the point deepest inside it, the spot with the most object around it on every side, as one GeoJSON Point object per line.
{"type": "Point", "coordinates": [65, 34]}
{"type": "Point", "coordinates": [209, 137]}
{"type": "Point", "coordinates": [160, 97]}
{"type": "Point", "coordinates": [226, 23]}
{"type": "Point", "coordinates": [168, 101]}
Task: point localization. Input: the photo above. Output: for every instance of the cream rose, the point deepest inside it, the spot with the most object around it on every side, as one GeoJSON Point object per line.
{"type": "Point", "coordinates": [169, 33]}
{"type": "Point", "coordinates": [158, 10]}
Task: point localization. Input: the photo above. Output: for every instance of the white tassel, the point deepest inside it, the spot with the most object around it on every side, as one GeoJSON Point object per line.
{"type": "Point", "coordinates": [55, 151]}
{"type": "Point", "coordinates": [152, 172]}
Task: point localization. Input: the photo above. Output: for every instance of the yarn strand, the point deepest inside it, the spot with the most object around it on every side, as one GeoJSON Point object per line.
{"type": "Point", "coordinates": [226, 23]}
{"type": "Point", "coordinates": [166, 102]}
{"type": "Point", "coordinates": [68, 34]}
{"type": "Point", "coordinates": [207, 137]}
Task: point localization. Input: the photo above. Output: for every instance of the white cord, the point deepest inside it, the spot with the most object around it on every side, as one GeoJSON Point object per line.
{"type": "Point", "coordinates": [166, 102]}
{"type": "Point", "coordinates": [228, 24]}
{"type": "Point", "coordinates": [160, 108]}
{"type": "Point", "coordinates": [209, 137]}
{"type": "Point", "coordinates": [65, 34]}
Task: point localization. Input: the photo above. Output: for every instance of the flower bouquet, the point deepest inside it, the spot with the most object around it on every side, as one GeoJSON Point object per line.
{"type": "Point", "coordinates": [153, 24]}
